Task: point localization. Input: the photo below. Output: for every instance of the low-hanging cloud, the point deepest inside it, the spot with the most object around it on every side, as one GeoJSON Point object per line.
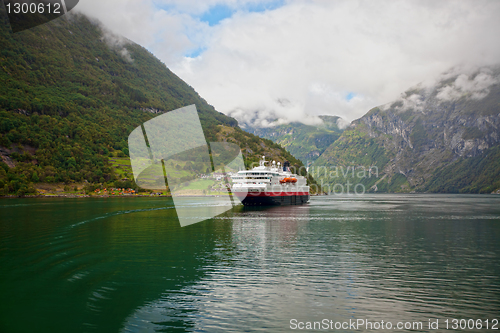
{"type": "Point", "coordinates": [112, 39]}
{"type": "Point", "coordinates": [321, 57]}
{"type": "Point", "coordinates": [168, 33]}
{"type": "Point", "coordinates": [116, 42]}
{"type": "Point", "coordinates": [465, 86]}
{"type": "Point", "coordinates": [463, 81]}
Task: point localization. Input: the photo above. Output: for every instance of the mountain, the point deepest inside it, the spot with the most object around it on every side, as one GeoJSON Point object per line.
{"type": "Point", "coordinates": [443, 137]}
{"type": "Point", "coordinates": [71, 93]}
{"type": "Point", "coordinates": [305, 142]}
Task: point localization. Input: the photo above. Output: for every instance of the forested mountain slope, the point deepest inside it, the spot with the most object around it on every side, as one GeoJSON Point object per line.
{"type": "Point", "coordinates": [70, 94]}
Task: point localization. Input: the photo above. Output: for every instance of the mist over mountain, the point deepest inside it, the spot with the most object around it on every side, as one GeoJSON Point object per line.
{"type": "Point", "coordinates": [441, 136]}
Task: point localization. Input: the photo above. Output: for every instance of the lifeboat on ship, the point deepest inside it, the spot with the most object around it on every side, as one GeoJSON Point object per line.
{"type": "Point", "coordinates": [288, 180]}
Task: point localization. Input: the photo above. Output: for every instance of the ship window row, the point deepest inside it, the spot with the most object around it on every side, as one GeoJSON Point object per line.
{"type": "Point", "coordinates": [251, 177]}
{"type": "Point", "coordinates": [259, 174]}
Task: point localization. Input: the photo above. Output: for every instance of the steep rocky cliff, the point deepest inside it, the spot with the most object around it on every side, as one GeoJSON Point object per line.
{"type": "Point", "coordinates": [441, 137]}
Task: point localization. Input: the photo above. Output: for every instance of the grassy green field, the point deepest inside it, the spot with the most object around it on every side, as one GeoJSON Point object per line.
{"type": "Point", "coordinates": [200, 184]}
{"type": "Point", "coordinates": [122, 166]}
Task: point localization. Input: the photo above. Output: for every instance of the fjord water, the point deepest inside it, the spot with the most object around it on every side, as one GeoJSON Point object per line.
{"type": "Point", "coordinates": [125, 264]}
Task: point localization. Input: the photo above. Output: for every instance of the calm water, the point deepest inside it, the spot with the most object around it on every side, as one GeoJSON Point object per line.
{"type": "Point", "coordinates": [125, 265]}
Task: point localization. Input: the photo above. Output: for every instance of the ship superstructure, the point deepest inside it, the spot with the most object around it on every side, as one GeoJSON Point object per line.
{"type": "Point", "coordinates": [272, 184]}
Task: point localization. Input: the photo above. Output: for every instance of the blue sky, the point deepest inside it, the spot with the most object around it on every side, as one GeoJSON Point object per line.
{"type": "Point", "coordinates": [217, 14]}
{"type": "Point", "coordinates": [220, 12]}
{"type": "Point", "coordinates": [195, 53]}
{"type": "Point", "coordinates": [350, 96]}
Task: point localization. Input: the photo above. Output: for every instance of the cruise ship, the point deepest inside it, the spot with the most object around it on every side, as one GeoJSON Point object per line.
{"type": "Point", "coordinates": [271, 184]}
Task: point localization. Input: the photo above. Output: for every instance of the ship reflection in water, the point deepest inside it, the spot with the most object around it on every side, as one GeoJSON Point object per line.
{"type": "Point", "coordinates": [255, 269]}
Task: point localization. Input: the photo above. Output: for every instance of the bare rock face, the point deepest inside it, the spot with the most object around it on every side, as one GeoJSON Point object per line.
{"type": "Point", "coordinates": [429, 129]}
{"type": "Point", "coordinates": [4, 157]}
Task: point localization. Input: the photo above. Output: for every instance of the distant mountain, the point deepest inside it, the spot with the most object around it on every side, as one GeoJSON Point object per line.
{"type": "Point", "coordinates": [305, 142]}
{"type": "Point", "coordinates": [442, 138]}
{"type": "Point", "coordinates": [71, 93]}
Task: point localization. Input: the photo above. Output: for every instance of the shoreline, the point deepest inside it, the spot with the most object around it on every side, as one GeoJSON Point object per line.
{"type": "Point", "coordinates": [184, 196]}
{"type": "Point", "coordinates": [100, 196]}
{"type": "Point", "coordinates": [78, 196]}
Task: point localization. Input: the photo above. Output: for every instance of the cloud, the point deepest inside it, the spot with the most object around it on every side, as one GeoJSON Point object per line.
{"type": "Point", "coordinates": [167, 34]}
{"type": "Point", "coordinates": [468, 81]}
{"type": "Point", "coordinates": [341, 123]}
{"type": "Point", "coordinates": [112, 39]}
{"type": "Point", "coordinates": [126, 54]}
{"type": "Point", "coordinates": [115, 42]}
{"type": "Point", "coordinates": [321, 57]}
{"type": "Point", "coordinates": [475, 87]}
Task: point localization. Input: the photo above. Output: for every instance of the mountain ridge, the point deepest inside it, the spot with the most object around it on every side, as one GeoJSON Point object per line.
{"type": "Point", "coordinates": [424, 141]}
{"type": "Point", "coordinates": [69, 99]}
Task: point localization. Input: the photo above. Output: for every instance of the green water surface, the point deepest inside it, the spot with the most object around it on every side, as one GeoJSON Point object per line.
{"type": "Point", "coordinates": [125, 264]}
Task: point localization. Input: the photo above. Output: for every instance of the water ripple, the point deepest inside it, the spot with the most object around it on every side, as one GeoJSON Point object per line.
{"type": "Point", "coordinates": [107, 215]}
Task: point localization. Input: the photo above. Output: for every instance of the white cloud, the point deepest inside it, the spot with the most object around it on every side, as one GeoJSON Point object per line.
{"type": "Point", "coordinates": [116, 42]}
{"type": "Point", "coordinates": [476, 87]}
{"type": "Point", "coordinates": [169, 35]}
{"type": "Point", "coordinates": [312, 54]}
